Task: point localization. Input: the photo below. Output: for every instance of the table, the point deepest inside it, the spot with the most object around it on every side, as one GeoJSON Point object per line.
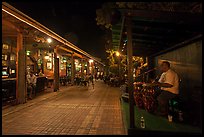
{"type": "Point", "coordinates": [8, 89]}
{"type": "Point", "coordinates": [50, 82]}
{"type": "Point", "coordinates": [40, 83]}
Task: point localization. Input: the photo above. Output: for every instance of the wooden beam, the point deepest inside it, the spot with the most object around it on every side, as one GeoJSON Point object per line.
{"type": "Point", "coordinates": [69, 51]}
{"type": "Point", "coordinates": [26, 19]}
{"type": "Point", "coordinates": [11, 25]}
{"type": "Point", "coordinates": [148, 36]}
{"type": "Point", "coordinates": [149, 41]}
{"type": "Point", "coordinates": [121, 33]}
{"type": "Point", "coordinates": [170, 25]}
{"type": "Point", "coordinates": [165, 16]}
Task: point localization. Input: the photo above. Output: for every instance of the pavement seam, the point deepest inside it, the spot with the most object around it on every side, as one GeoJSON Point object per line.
{"type": "Point", "coordinates": [31, 104]}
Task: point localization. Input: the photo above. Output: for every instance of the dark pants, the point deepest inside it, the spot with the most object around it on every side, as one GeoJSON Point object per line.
{"type": "Point", "coordinates": [31, 90]}
{"type": "Point", "coordinates": [163, 100]}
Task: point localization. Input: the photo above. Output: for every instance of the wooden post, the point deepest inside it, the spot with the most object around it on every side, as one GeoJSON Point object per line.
{"type": "Point", "coordinates": [130, 71]}
{"type": "Point", "coordinates": [87, 71]}
{"type": "Point", "coordinates": [82, 67]}
{"type": "Point", "coordinates": [21, 90]}
{"type": "Point", "coordinates": [92, 68]}
{"type": "Point", "coordinates": [66, 68]}
{"type": "Point", "coordinates": [56, 71]}
{"type": "Point", "coordinates": [72, 69]}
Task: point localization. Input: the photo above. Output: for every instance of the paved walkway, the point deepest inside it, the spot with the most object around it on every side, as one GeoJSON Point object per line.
{"type": "Point", "coordinates": [71, 111]}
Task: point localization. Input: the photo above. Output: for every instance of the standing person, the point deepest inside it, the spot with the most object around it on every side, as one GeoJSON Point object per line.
{"type": "Point", "coordinates": [169, 83]}
{"type": "Point", "coordinates": [91, 80]}
{"type": "Point", "coordinates": [77, 79]}
{"type": "Point", "coordinates": [95, 76]}
{"type": "Point", "coordinates": [87, 79]}
{"type": "Point", "coordinates": [31, 82]}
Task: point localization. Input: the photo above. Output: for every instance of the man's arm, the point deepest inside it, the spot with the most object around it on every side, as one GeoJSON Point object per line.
{"type": "Point", "coordinates": [28, 79]}
{"type": "Point", "coordinates": [166, 85]}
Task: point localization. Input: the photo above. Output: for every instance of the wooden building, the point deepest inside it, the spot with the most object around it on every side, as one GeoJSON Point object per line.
{"type": "Point", "coordinates": [29, 46]}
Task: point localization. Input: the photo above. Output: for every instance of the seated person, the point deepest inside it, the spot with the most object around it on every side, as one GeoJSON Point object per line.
{"type": "Point", "coordinates": [31, 84]}
{"type": "Point", "coordinates": [169, 83]}
{"type": "Point", "coordinates": [40, 73]}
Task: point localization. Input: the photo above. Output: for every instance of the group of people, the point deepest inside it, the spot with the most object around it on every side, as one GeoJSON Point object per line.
{"type": "Point", "coordinates": [84, 80]}
{"type": "Point", "coordinates": [114, 80]}
{"type": "Point", "coordinates": [168, 83]}
{"type": "Point", "coordinates": [31, 79]}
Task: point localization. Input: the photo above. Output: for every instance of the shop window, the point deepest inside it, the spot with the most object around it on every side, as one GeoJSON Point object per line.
{"type": "Point", "coordinates": [49, 65]}
{"type": "Point", "coordinates": [4, 57]}
{"type": "Point", "coordinates": [5, 46]}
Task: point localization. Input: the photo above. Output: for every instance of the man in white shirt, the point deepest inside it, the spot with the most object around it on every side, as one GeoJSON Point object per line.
{"type": "Point", "coordinates": [169, 83]}
{"type": "Point", "coordinates": [31, 82]}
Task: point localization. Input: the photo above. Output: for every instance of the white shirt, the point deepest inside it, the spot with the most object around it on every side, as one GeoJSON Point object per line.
{"type": "Point", "coordinates": [170, 77]}
{"type": "Point", "coordinates": [31, 80]}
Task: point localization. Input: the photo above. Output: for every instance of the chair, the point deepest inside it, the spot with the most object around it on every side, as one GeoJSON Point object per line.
{"type": "Point", "coordinates": [175, 104]}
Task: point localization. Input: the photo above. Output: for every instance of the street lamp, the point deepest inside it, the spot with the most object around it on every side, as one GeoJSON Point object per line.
{"type": "Point", "coordinates": [117, 53]}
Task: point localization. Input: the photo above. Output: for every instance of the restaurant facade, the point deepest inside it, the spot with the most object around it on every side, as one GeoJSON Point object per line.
{"type": "Point", "coordinates": [28, 46]}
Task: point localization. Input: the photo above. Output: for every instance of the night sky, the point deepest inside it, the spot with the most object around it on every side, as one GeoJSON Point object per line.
{"type": "Point", "coordinates": [77, 18]}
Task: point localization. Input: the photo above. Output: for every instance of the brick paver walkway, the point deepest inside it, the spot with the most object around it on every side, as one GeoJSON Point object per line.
{"type": "Point", "coordinates": [71, 111]}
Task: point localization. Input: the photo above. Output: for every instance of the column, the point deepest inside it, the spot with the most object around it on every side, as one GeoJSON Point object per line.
{"type": "Point", "coordinates": [21, 87]}
{"type": "Point", "coordinates": [130, 71]}
{"type": "Point", "coordinates": [92, 68]}
{"type": "Point", "coordinates": [56, 71]}
{"type": "Point", "coordinates": [88, 65]}
{"type": "Point", "coordinates": [66, 68]}
{"type": "Point", "coordinates": [82, 67]}
{"type": "Point", "coordinates": [72, 69]}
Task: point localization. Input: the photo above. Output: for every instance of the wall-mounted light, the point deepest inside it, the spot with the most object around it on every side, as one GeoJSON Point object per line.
{"type": "Point", "coordinates": [28, 53]}
{"type": "Point", "coordinates": [49, 40]}
{"type": "Point", "coordinates": [91, 61]}
{"type": "Point", "coordinates": [47, 57]}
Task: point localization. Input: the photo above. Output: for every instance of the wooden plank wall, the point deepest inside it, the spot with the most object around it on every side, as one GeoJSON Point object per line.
{"type": "Point", "coordinates": [187, 62]}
